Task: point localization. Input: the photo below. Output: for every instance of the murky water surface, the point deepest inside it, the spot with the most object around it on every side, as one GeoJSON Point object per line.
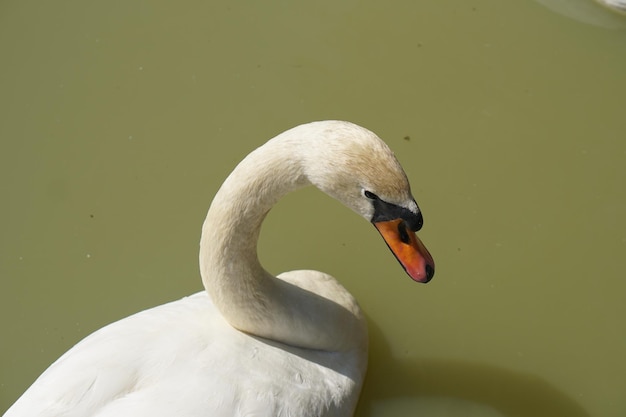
{"type": "Point", "coordinates": [120, 120]}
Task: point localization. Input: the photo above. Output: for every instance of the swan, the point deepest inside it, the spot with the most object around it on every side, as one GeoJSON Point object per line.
{"type": "Point", "coordinates": [252, 344]}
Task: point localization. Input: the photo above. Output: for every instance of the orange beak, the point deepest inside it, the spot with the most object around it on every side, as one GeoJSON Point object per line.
{"type": "Point", "coordinates": [408, 249]}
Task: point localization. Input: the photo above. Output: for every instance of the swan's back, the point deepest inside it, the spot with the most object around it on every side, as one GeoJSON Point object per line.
{"type": "Point", "coordinates": [184, 359]}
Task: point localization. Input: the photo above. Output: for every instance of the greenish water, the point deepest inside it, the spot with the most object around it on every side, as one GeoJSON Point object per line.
{"type": "Point", "coordinates": [121, 119]}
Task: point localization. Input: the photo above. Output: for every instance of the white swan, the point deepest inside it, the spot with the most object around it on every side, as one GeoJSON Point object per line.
{"type": "Point", "coordinates": [255, 345]}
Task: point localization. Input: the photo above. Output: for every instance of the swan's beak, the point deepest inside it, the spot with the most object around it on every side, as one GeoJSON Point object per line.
{"type": "Point", "coordinates": [408, 249]}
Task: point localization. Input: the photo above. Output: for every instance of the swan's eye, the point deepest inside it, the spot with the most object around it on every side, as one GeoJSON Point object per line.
{"type": "Point", "coordinates": [370, 195]}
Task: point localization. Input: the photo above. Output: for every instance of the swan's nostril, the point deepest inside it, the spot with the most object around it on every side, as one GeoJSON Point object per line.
{"type": "Point", "coordinates": [404, 235]}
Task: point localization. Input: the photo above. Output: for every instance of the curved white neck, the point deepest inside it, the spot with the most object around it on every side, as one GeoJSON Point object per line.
{"type": "Point", "coordinates": [250, 298]}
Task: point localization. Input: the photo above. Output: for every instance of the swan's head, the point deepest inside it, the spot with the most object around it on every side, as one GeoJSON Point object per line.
{"type": "Point", "coordinates": [356, 167]}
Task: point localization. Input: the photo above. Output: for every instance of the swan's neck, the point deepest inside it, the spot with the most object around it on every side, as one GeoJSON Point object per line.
{"type": "Point", "coordinates": [250, 298]}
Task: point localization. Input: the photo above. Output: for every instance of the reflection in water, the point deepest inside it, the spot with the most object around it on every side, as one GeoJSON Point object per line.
{"type": "Point", "coordinates": [588, 11]}
{"type": "Point", "coordinates": [439, 387]}
{"type": "Point", "coordinates": [617, 5]}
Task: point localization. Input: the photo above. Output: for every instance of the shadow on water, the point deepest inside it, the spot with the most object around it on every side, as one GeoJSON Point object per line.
{"type": "Point", "coordinates": [438, 387]}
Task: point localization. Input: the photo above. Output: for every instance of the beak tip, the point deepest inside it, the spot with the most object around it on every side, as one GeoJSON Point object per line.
{"type": "Point", "coordinates": [430, 273]}
{"type": "Point", "coordinates": [424, 276]}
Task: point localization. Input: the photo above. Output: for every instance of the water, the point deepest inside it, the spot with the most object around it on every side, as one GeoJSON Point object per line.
{"type": "Point", "coordinates": [120, 120]}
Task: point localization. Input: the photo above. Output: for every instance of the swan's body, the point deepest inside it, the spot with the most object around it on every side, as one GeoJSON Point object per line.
{"type": "Point", "coordinates": [252, 344]}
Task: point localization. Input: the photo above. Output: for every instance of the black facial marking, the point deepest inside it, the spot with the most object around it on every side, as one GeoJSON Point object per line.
{"type": "Point", "coordinates": [384, 211]}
